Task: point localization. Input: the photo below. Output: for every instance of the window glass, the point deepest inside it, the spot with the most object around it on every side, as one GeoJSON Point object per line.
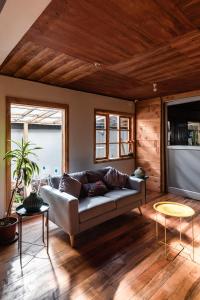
{"type": "Point", "coordinates": [124, 136]}
{"type": "Point", "coordinates": [124, 123]}
{"type": "Point", "coordinates": [124, 149]}
{"type": "Point", "coordinates": [100, 136]}
{"type": "Point", "coordinates": [100, 122]}
{"type": "Point", "coordinates": [114, 136]}
{"type": "Point", "coordinates": [114, 122]}
{"type": "Point", "coordinates": [113, 150]}
{"type": "Point", "coordinates": [100, 151]}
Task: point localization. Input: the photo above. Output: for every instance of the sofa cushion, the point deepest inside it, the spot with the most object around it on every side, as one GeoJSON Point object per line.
{"type": "Point", "coordinates": [70, 185]}
{"type": "Point", "coordinates": [54, 181]}
{"type": "Point", "coordinates": [123, 197]}
{"type": "Point", "coordinates": [96, 175]}
{"type": "Point", "coordinates": [115, 179]}
{"type": "Point", "coordinates": [80, 176]}
{"type": "Point", "coordinates": [97, 188]}
{"type": "Point", "coordinates": [91, 207]}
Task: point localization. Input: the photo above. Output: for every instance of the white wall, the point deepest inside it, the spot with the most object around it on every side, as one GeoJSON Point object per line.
{"type": "Point", "coordinates": [81, 118]}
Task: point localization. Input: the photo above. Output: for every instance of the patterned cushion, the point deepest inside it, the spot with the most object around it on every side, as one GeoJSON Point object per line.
{"type": "Point", "coordinates": [115, 179]}
{"type": "Point", "coordinates": [95, 189]}
{"type": "Point", "coordinates": [70, 185]}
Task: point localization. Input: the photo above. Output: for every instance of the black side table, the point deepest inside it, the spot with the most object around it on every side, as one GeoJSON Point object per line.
{"type": "Point", "coordinates": [145, 186]}
{"type": "Point", "coordinates": [21, 213]}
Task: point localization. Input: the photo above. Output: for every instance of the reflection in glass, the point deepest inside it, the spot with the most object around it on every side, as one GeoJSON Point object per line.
{"type": "Point", "coordinates": [114, 122]}
{"type": "Point", "coordinates": [124, 149]}
{"type": "Point", "coordinates": [100, 122]}
{"type": "Point", "coordinates": [113, 150]}
{"type": "Point", "coordinates": [114, 136]}
{"type": "Point", "coordinates": [100, 136]}
{"type": "Point", "coordinates": [100, 151]}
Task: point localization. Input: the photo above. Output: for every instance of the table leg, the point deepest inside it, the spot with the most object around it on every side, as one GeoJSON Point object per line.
{"type": "Point", "coordinates": [156, 226]}
{"type": "Point", "coordinates": [165, 239]}
{"type": "Point", "coordinates": [20, 240]}
{"type": "Point", "coordinates": [145, 192]}
{"type": "Point", "coordinates": [180, 230]}
{"type": "Point", "coordinates": [43, 228]}
{"type": "Point", "coordinates": [18, 232]}
{"type": "Point", "coordinates": [192, 239]}
{"type": "Point", "coordinates": [47, 224]}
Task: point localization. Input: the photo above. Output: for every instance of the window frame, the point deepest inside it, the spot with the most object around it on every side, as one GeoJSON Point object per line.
{"type": "Point", "coordinates": [106, 113]}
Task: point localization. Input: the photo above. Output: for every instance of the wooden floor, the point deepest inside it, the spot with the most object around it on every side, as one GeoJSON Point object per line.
{"type": "Point", "coordinates": [119, 259]}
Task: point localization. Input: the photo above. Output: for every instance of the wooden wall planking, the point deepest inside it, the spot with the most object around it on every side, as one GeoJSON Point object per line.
{"type": "Point", "coordinates": [150, 137]}
{"type": "Point", "coordinates": [148, 140]}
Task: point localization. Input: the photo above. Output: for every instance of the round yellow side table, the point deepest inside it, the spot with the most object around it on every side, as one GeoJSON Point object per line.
{"type": "Point", "coordinates": [177, 210]}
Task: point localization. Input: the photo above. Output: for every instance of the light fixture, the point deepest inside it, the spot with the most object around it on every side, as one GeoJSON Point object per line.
{"type": "Point", "coordinates": [155, 87]}
{"type": "Point", "coordinates": [97, 65]}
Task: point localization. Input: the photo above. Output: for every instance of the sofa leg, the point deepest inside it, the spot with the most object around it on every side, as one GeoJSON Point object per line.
{"type": "Point", "coordinates": [140, 210]}
{"type": "Point", "coordinates": [72, 238]}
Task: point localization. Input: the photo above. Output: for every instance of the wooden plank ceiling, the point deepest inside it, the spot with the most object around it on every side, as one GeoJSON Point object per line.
{"type": "Point", "coordinates": [112, 47]}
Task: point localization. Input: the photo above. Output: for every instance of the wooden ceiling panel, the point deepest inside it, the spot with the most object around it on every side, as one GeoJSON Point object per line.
{"type": "Point", "coordinates": [108, 83]}
{"type": "Point", "coordinates": [191, 9]}
{"type": "Point", "coordinates": [36, 63]}
{"type": "Point", "coordinates": [107, 31]}
{"type": "Point", "coordinates": [17, 59]}
{"type": "Point", "coordinates": [179, 57]}
{"type": "Point", "coordinates": [112, 47]}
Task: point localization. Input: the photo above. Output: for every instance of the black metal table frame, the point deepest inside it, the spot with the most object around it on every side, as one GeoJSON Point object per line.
{"type": "Point", "coordinates": [20, 222]}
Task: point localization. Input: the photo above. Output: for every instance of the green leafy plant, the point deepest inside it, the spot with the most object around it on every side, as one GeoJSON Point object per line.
{"type": "Point", "coordinates": [24, 169]}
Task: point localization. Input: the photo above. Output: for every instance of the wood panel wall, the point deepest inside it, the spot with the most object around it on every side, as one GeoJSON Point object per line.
{"type": "Point", "coordinates": [148, 140]}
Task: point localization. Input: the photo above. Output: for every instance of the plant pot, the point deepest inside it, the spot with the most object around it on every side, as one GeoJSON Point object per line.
{"type": "Point", "coordinates": [8, 231]}
{"type": "Point", "coordinates": [33, 202]}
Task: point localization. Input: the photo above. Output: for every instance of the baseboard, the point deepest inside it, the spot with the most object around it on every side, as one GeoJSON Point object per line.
{"type": "Point", "coordinates": [184, 193]}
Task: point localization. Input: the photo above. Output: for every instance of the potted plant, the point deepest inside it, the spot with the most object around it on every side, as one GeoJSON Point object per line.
{"type": "Point", "coordinates": [24, 169]}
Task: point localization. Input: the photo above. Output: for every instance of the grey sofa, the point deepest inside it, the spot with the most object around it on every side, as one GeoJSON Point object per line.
{"type": "Point", "coordinates": [76, 215]}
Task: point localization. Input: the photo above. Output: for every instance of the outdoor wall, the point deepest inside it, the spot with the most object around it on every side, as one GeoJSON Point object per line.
{"type": "Point", "coordinates": [81, 126]}
{"type": "Point", "coordinates": [49, 157]}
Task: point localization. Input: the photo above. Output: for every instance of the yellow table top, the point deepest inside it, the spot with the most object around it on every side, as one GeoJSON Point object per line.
{"type": "Point", "coordinates": [174, 209]}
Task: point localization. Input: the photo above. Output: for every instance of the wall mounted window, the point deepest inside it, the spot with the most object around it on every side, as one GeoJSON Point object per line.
{"type": "Point", "coordinates": [113, 136]}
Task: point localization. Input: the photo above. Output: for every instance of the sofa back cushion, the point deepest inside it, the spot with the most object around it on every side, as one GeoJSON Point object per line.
{"type": "Point", "coordinates": [80, 176]}
{"type": "Point", "coordinates": [96, 175]}
{"type": "Point", "coordinates": [115, 179]}
{"type": "Point", "coordinates": [70, 185]}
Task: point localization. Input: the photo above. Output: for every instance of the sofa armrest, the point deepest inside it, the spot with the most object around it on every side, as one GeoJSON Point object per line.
{"type": "Point", "coordinates": [137, 184]}
{"type": "Point", "coordinates": [63, 209]}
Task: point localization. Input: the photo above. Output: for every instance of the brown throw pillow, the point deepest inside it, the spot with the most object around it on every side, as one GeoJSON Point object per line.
{"type": "Point", "coordinates": [95, 189]}
{"type": "Point", "coordinates": [115, 179]}
{"type": "Point", "coordinates": [70, 185]}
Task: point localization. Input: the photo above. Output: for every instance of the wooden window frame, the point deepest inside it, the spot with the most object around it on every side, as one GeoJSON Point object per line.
{"type": "Point", "coordinates": [65, 133]}
{"type": "Point", "coordinates": [106, 113]}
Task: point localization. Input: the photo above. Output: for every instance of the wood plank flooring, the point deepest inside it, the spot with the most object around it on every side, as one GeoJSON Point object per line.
{"type": "Point", "coordinates": [119, 259]}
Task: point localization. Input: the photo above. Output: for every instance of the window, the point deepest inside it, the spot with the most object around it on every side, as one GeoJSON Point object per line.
{"type": "Point", "coordinates": [113, 137]}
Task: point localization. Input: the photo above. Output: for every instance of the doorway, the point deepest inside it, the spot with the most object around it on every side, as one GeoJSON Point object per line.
{"type": "Point", "coordinates": [183, 147]}
{"type": "Point", "coordinates": [45, 125]}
